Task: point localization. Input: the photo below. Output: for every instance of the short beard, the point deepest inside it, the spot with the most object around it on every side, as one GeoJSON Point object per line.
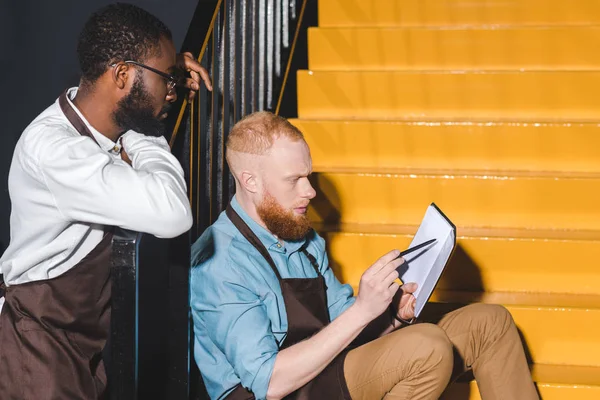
{"type": "Point", "coordinates": [281, 222]}
{"type": "Point", "coordinates": [134, 112]}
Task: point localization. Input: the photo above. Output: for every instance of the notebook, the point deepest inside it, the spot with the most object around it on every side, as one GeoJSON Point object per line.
{"type": "Point", "coordinates": [425, 266]}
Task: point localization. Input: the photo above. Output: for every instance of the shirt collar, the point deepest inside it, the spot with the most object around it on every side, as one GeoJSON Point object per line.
{"type": "Point", "coordinates": [105, 143]}
{"type": "Point", "coordinates": [269, 240]}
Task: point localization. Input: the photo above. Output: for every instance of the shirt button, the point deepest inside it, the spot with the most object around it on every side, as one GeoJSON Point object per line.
{"type": "Point", "coordinates": [116, 149]}
{"type": "Point", "coordinates": [278, 245]}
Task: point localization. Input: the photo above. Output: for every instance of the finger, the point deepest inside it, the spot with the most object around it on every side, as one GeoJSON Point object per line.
{"type": "Point", "coordinates": [389, 267]}
{"type": "Point", "coordinates": [192, 86]}
{"type": "Point", "coordinates": [410, 287]}
{"type": "Point", "coordinates": [391, 278]}
{"type": "Point", "coordinates": [196, 70]}
{"type": "Point", "coordinates": [187, 62]}
{"type": "Point", "coordinates": [187, 54]}
{"type": "Point", "coordinates": [206, 78]}
{"type": "Point", "coordinates": [394, 287]}
{"type": "Point", "coordinates": [382, 262]}
{"type": "Point", "coordinates": [408, 310]}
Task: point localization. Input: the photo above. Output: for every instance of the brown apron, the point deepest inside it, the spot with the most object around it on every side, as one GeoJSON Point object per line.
{"type": "Point", "coordinates": [307, 313]}
{"type": "Point", "coordinates": [52, 332]}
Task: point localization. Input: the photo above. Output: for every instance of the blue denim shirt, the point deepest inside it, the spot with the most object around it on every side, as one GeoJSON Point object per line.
{"type": "Point", "coordinates": [237, 306]}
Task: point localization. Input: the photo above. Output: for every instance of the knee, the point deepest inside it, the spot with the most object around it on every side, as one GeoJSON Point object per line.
{"type": "Point", "coordinates": [436, 339]}
{"type": "Point", "coordinates": [492, 317]}
{"type": "Point", "coordinates": [432, 347]}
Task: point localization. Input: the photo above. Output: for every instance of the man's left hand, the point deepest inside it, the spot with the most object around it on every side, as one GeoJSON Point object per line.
{"type": "Point", "coordinates": [188, 63]}
{"type": "Point", "coordinates": [405, 301]}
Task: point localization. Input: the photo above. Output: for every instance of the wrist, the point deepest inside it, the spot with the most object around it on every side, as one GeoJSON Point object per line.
{"type": "Point", "coordinates": [359, 315]}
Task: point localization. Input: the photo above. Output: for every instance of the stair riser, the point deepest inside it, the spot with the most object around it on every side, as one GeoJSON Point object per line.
{"type": "Point", "coordinates": [380, 146]}
{"type": "Point", "coordinates": [560, 335]}
{"type": "Point", "coordinates": [485, 201]}
{"type": "Point", "coordinates": [454, 49]}
{"type": "Point", "coordinates": [482, 264]}
{"type": "Point", "coordinates": [456, 12]}
{"type": "Point", "coordinates": [465, 391]}
{"type": "Point", "coordinates": [528, 96]}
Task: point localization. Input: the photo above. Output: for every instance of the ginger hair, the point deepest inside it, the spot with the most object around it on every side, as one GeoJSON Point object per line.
{"type": "Point", "coordinates": [255, 133]}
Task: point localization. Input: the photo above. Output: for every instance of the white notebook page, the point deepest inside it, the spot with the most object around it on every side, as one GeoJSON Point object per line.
{"type": "Point", "coordinates": [426, 265]}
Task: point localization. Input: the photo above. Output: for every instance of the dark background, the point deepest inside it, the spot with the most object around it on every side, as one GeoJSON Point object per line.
{"type": "Point", "coordinates": [38, 61]}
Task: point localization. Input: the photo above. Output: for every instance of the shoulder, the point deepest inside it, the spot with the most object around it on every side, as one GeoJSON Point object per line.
{"type": "Point", "coordinates": [47, 127]}
{"type": "Point", "coordinates": [50, 133]}
{"type": "Point", "coordinates": [222, 252]}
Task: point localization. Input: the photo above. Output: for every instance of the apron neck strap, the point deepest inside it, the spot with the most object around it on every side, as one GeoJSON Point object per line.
{"type": "Point", "coordinates": [312, 260]}
{"type": "Point", "coordinates": [74, 118]}
{"type": "Point", "coordinates": [258, 245]}
{"type": "Point", "coordinates": [252, 238]}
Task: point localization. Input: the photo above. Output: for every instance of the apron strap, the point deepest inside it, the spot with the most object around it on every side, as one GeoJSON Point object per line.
{"type": "Point", "coordinates": [73, 117]}
{"type": "Point", "coordinates": [83, 130]}
{"type": "Point", "coordinates": [258, 245]}
{"type": "Point", "coordinates": [313, 261]}
{"type": "Point", "coordinates": [252, 238]}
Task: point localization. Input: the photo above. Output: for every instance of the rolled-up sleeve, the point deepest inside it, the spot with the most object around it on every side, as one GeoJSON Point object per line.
{"type": "Point", "coordinates": [238, 321]}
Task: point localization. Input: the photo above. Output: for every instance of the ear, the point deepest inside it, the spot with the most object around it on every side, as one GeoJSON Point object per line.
{"type": "Point", "coordinates": [249, 182]}
{"type": "Point", "coordinates": [122, 74]}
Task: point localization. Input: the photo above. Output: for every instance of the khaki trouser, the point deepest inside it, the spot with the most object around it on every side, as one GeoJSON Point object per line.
{"type": "Point", "coordinates": [418, 361]}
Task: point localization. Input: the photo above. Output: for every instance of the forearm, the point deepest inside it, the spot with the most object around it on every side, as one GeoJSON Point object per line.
{"type": "Point", "coordinates": [89, 186]}
{"type": "Point", "coordinates": [300, 363]}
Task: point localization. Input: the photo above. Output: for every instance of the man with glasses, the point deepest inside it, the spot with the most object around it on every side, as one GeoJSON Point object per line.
{"type": "Point", "coordinates": [93, 160]}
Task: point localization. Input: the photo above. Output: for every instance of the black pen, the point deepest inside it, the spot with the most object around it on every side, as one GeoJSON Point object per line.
{"type": "Point", "coordinates": [417, 247]}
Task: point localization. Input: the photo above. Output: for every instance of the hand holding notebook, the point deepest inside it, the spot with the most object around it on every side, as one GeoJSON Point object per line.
{"type": "Point", "coordinates": [428, 255]}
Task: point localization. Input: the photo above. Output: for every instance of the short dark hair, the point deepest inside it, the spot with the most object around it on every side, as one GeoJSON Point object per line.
{"type": "Point", "coordinates": [118, 32]}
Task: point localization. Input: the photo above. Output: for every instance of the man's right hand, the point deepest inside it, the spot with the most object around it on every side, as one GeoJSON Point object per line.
{"type": "Point", "coordinates": [377, 287]}
{"type": "Point", "coordinates": [298, 364]}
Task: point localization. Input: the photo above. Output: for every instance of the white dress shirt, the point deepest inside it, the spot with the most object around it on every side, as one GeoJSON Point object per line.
{"type": "Point", "coordinates": [65, 188]}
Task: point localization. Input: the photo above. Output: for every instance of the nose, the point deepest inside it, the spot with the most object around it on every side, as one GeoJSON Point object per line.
{"type": "Point", "coordinates": [311, 193]}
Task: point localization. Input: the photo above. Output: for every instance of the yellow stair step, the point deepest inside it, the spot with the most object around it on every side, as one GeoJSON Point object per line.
{"type": "Point", "coordinates": [557, 330]}
{"type": "Point", "coordinates": [539, 96]}
{"type": "Point", "coordinates": [456, 12]}
{"type": "Point", "coordinates": [484, 200]}
{"type": "Point", "coordinates": [469, 391]}
{"type": "Point", "coordinates": [521, 299]}
{"type": "Point", "coordinates": [391, 145]}
{"type": "Point", "coordinates": [554, 382]}
{"type": "Point", "coordinates": [523, 48]}
{"type": "Point", "coordinates": [558, 334]}
{"type": "Point", "coordinates": [493, 261]}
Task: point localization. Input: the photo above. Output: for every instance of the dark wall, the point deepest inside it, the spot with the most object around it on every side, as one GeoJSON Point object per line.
{"type": "Point", "coordinates": [38, 61]}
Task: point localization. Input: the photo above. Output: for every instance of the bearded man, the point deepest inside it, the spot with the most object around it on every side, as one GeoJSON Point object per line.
{"type": "Point", "coordinates": [272, 321]}
{"type": "Point", "coordinates": [93, 160]}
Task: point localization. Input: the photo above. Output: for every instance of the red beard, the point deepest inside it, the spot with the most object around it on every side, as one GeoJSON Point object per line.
{"type": "Point", "coordinates": [281, 222]}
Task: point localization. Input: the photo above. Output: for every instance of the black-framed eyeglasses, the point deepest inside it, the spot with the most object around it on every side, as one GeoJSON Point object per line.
{"type": "Point", "coordinates": [172, 80]}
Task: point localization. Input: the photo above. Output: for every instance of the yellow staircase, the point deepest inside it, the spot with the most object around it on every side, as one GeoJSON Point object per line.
{"type": "Point", "coordinates": [490, 108]}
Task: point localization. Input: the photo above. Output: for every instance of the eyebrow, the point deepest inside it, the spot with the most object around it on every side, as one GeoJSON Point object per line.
{"type": "Point", "coordinates": [290, 176]}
